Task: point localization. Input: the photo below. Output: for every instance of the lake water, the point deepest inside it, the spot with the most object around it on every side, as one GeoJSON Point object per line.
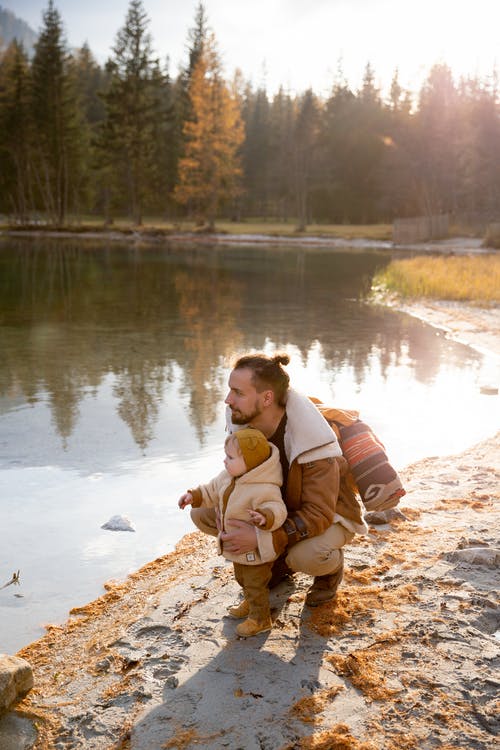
{"type": "Point", "coordinates": [114, 360]}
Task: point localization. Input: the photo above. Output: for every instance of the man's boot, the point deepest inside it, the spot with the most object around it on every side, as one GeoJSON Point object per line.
{"type": "Point", "coordinates": [325, 588]}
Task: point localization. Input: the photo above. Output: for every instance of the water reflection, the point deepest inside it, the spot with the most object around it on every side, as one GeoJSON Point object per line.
{"type": "Point", "coordinates": [72, 313]}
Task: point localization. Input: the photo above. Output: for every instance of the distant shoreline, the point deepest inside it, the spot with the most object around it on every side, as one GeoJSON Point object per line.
{"type": "Point", "coordinates": [451, 245]}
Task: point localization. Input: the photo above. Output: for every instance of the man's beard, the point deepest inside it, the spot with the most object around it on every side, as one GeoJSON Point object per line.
{"type": "Point", "coordinates": [240, 418]}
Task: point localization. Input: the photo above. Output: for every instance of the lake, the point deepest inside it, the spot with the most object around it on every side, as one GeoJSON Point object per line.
{"type": "Point", "coordinates": [113, 370]}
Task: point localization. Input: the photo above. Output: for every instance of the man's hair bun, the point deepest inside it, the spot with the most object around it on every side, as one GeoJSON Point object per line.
{"type": "Point", "coordinates": [281, 359]}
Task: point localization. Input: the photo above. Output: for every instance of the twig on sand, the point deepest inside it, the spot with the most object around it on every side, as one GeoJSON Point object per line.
{"type": "Point", "coordinates": [14, 580]}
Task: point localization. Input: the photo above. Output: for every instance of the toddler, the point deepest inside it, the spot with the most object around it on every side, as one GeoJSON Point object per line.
{"type": "Point", "coordinates": [248, 489]}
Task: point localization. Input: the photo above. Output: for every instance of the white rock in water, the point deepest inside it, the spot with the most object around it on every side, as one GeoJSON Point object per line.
{"type": "Point", "coordinates": [118, 523]}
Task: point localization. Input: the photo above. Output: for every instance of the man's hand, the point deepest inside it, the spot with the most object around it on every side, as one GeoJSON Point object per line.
{"type": "Point", "coordinates": [239, 538]}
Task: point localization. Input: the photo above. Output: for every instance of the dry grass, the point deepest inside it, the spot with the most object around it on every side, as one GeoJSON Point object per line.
{"type": "Point", "coordinates": [187, 738]}
{"type": "Point", "coordinates": [336, 738]}
{"type": "Point", "coordinates": [474, 279]}
{"type": "Point", "coordinates": [307, 709]}
{"type": "Point", "coordinates": [362, 671]}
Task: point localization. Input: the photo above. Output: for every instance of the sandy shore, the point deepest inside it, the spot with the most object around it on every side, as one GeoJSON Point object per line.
{"type": "Point", "coordinates": [405, 658]}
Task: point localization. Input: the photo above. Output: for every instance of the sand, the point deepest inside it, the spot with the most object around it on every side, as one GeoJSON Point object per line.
{"type": "Point", "coordinates": [406, 657]}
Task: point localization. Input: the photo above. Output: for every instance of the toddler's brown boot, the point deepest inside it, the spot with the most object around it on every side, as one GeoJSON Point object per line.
{"type": "Point", "coordinates": [240, 611]}
{"type": "Point", "coordinates": [252, 627]}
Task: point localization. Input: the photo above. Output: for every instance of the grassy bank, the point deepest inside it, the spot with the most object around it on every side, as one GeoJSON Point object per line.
{"type": "Point", "coordinates": [158, 226]}
{"type": "Point", "coordinates": [473, 279]}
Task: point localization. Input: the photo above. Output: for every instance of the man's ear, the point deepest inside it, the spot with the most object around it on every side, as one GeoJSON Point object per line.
{"type": "Point", "coordinates": [268, 398]}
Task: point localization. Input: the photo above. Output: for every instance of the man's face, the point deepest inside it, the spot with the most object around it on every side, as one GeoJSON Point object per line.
{"type": "Point", "coordinates": [243, 400]}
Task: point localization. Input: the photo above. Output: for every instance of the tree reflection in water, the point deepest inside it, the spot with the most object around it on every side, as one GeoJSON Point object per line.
{"type": "Point", "coordinates": [75, 312]}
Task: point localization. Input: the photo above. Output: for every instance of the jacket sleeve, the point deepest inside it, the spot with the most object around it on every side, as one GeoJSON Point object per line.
{"type": "Point", "coordinates": [315, 508]}
{"type": "Point", "coordinates": [206, 495]}
{"type": "Point", "coordinates": [273, 508]}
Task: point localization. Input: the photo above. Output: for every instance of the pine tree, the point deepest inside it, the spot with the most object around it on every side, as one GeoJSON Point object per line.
{"type": "Point", "coordinates": [479, 151]}
{"type": "Point", "coordinates": [437, 152]}
{"type": "Point", "coordinates": [17, 132]}
{"type": "Point", "coordinates": [58, 122]}
{"type": "Point", "coordinates": [133, 112]}
{"type": "Point", "coordinates": [304, 151]}
{"type": "Point", "coordinates": [210, 169]}
{"type": "Point", "coordinates": [281, 138]}
{"type": "Point", "coordinates": [256, 150]}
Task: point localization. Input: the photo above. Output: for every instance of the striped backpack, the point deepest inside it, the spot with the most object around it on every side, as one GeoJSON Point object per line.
{"type": "Point", "coordinates": [370, 472]}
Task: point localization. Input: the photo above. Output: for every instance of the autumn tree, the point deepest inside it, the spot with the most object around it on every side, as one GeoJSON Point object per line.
{"type": "Point", "coordinates": [209, 170]}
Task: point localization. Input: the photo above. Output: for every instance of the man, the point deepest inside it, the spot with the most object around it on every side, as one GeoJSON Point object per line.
{"type": "Point", "coordinates": [323, 514]}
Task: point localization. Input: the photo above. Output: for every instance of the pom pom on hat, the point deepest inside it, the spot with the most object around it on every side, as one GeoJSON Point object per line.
{"type": "Point", "coordinates": [253, 445]}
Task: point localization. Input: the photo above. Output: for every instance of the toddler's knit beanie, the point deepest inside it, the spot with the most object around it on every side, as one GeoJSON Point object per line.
{"type": "Point", "coordinates": [253, 445]}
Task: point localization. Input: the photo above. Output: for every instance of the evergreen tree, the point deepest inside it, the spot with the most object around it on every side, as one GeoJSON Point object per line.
{"type": "Point", "coordinates": [282, 117]}
{"type": "Point", "coordinates": [133, 112]}
{"type": "Point", "coordinates": [479, 152]}
{"type": "Point", "coordinates": [436, 142]}
{"type": "Point", "coordinates": [17, 133]}
{"type": "Point", "coordinates": [256, 151]}
{"type": "Point", "coordinates": [397, 167]}
{"type": "Point", "coordinates": [338, 179]}
{"type": "Point", "coordinates": [89, 79]}
{"type": "Point", "coordinates": [58, 157]}
{"type": "Point", "coordinates": [209, 171]}
{"type": "Point", "coordinates": [304, 151]}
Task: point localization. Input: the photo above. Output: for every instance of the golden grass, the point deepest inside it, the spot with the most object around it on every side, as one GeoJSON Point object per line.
{"type": "Point", "coordinates": [474, 279]}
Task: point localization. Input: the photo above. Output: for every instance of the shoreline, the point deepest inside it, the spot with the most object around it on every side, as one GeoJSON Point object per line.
{"type": "Point", "coordinates": [452, 245]}
{"type": "Point", "coordinates": [417, 610]}
{"type": "Point", "coordinates": [477, 327]}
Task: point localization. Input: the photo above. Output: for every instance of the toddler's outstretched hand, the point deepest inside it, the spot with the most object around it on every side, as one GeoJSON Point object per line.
{"type": "Point", "coordinates": [185, 499]}
{"type": "Point", "coordinates": [257, 518]}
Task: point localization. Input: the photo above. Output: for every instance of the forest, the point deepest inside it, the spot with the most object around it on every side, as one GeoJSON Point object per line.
{"type": "Point", "coordinates": [130, 139]}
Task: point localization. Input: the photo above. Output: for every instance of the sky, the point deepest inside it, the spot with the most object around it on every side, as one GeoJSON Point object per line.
{"type": "Point", "coordinates": [301, 43]}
